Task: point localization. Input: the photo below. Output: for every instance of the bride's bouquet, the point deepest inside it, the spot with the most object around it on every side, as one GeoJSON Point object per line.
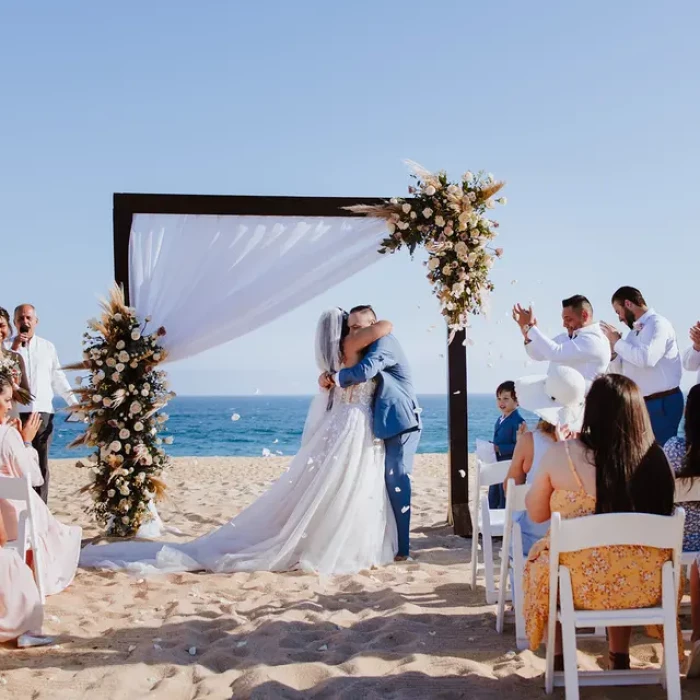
{"type": "Point", "coordinates": [451, 221]}
{"type": "Point", "coordinates": [121, 396]}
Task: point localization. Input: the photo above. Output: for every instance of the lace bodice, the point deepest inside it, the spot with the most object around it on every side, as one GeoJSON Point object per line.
{"type": "Point", "coordinates": [360, 394]}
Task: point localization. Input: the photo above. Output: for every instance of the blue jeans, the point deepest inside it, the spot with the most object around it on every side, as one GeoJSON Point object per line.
{"type": "Point", "coordinates": [398, 464]}
{"type": "Point", "coordinates": [665, 414]}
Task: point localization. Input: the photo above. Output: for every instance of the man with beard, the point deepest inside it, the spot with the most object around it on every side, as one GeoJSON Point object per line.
{"type": "Point", "coordinates": [649, 356]}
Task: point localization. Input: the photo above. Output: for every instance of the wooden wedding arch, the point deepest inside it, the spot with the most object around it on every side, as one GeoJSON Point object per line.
{"type": "Point", "coordinates": [126, 205]}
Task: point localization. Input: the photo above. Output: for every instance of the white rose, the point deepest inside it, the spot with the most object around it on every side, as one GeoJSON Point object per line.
{"type": "Point", "coordinates": [458, 289]}
{"type": "Point", "coordinates": [99, 363]}
{"type": "Point", "coordinates": [115, 446]}
{"type": "Point", "coordinates": [439, 221]}
{"type": "Point", "coordinates": [391, 226]}
{"type": "Point", "coordinates": [405, 208]}
{"type": "Point", "coordinates": [168, 440]}
{"type": "Point", "coordinates": [136, 334]}
{"type": "Point", "coordinates": [135, 407]}
{"type": "Point", "coordinates": [447, 270]}
{"type": "Point", "coordinates": [111, 362]}
{"type": "Point", "coordinates": [490, 204]}
{"type": "Point", "coordinates": [124, 433]}
{"type": "Point", "coordinates": [502, 200]}
{"type": "Point", "coordinates": [468, 176]}
{"type": "Point", "coordinates": [393, 200]}
{"type": "Point", "coordinates": [430, 190]}
{"type": "Point", "coordinates": [156, 356]}
{"type": "Point", "coordinates": [124, 490]}
{"type": "Point", "coordinates": [107, 402]}
{"type": "Point", "coordinates": [97, 398]}
{"type": "Point", "coordinates": [461, 249]}
{"type": "Point", "coordinates": [144, 392]}
{"type": "Point", "coordinates": [138, 426]}
{"type": "Point", "coordinates": [131, 387]}
{"type": "Point", "coordinates": [120, 367]}
{"type": "Point", "coordinates": [427, 212]}
{"type": "Point", "coordinates": [123, 356]}
{"type": "Point", "coordinates": [110, 493]}
{"type": "Point", "coordinates": [118, 317]}
{"type": "Point", "coordinates": [147, 459]}
{"type": "Point", "coordinates": [140, 477]}
{"type": "Point", "coordinates": [116, 377]}
{"type": "Point", "coordinates": [402, 225]}
{"type": "Point", "coordinates": [433, 263]}
{"type": "Point", "coordinates": [121, 345]}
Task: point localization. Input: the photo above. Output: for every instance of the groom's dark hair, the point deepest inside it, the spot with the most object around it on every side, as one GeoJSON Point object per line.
{"type": "Point", "coordinates": [362, 308]}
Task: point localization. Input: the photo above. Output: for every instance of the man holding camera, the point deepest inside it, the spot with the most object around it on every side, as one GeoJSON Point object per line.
{"type": "Point", "coordinates": [45, 378]}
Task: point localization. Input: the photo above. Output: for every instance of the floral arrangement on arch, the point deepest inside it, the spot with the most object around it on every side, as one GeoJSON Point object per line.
{"type": "Point", "coordinates": [121, 398]}
{"type": "Point", "coordinates": [450, 220]}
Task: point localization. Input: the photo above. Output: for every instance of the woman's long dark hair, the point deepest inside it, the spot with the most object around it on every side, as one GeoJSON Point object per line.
{"type": "Point", "coordinates": [690, 468]}
{"type": "Point", "coordinates": [632, 472]}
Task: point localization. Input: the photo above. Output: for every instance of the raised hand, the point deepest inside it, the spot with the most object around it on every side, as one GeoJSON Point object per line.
{"type": "Point", "coordinates": [524, 317]}
{"type": "Point", "coordinates": [31, 428]}
{"type": "Point", "coordinates": [611, 333]}
{"type": "Point", "coordinates": [695, 336]}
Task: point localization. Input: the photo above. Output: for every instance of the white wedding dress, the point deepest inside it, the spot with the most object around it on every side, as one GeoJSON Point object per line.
{"type": "Point", "coordinates": [328, 513]}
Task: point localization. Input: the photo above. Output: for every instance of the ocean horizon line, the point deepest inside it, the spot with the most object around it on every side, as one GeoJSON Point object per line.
{"type": "Point", "coordinates": [302, 396]}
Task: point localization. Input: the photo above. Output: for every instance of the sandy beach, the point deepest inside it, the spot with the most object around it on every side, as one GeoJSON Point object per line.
{"type": "Point", "coordinates": [411, 630]}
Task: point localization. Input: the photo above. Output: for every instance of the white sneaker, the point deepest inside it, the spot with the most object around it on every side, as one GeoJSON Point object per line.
{"type": "Point", "coordinates": [25, 641]}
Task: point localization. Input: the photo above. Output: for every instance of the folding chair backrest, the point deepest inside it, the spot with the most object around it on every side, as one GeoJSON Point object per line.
{"type": "Point", "coordinates": [490, 474]}
{"type": "Point", "coordinates": [14, 489]}
{"type": "Point", "coordinates": [687, 490]}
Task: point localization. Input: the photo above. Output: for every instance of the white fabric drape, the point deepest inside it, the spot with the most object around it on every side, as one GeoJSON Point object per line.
{"type": "Point", "coordinates": [210, 279]}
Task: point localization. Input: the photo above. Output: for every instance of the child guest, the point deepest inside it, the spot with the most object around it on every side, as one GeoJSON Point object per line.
{"type": "Point", "coordinates": [505, 435]}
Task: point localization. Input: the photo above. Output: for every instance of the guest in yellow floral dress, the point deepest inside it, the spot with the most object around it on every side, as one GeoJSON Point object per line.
{"type": "Point", "coordinates": [614, 466]}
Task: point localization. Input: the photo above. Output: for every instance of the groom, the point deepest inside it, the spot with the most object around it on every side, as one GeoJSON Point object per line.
{"type": "Point", "coordinates": [396, 414]}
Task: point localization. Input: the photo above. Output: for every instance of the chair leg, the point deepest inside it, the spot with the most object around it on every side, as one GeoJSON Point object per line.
{"type": "Point", "coordinates": [475, 551]}
{"type": "Point", "coordinates": [568, 634]}
{"type": "Point", "coordinates": [671, 668]}
{"type": "Point", "coordinates": [487, 548]}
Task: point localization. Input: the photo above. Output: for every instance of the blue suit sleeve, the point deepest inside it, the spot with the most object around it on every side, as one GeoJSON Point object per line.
{"type": "Point", "coordinates": [378, 358]}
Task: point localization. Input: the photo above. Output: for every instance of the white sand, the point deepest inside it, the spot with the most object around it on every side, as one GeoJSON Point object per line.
{"type": "Point", "coordinates": [411, 630]}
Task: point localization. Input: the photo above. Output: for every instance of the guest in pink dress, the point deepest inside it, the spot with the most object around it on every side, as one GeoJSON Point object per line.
{"type": "Point", "coordinates": [59, 544]}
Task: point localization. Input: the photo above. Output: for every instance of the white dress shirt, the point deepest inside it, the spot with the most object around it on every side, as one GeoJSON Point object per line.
{"type": "Point", "coordinates": [691, 361]}
{"type": "Point", "coordinates": [587, 351]}
{"type": "Point", "coordinates": [649, 355]}
{"type": "Point", "coordinates": [44, 376]}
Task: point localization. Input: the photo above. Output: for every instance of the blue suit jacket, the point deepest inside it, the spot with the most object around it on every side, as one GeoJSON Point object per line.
{"type": "Point", "coordinates": [395, 404]}
{"type": "Point", "coordinates": [505, 434]}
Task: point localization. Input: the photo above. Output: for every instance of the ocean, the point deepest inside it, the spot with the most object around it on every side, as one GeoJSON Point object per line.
{"type": "Point", "coordinates": [202, 425]}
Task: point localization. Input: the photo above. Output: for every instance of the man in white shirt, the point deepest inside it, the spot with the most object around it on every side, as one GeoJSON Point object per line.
{"type": "Point", "coordinates": [691, 357]}
{"type": "Point", "coordinates": [649, 356]}
{"type": "Point", "coordinates": [45, 378]}
{"type": "Point", "coordinates": [583, 347]}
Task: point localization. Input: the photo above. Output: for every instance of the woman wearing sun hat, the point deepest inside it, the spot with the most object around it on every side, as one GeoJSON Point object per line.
{"type": "Point", "coordinates": [557, 398]}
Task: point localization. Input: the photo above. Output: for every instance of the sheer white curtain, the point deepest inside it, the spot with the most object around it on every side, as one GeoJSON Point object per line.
{"type": "Point", "coordinates": [210, 279]}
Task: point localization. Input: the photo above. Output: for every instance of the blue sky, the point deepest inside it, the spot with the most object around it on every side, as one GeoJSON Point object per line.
{"type": "Point", "coordinates": [589, 111]}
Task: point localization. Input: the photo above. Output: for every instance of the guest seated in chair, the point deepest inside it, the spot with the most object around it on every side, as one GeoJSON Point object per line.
{"type": "Point", "coordinates": [558, 400]}
{"type": "Point", "coordinates": [614, 466]}
{"type": "Point", "coordinates": [60, 544]}
{"type": "Point", "coordinates": [21, 612]}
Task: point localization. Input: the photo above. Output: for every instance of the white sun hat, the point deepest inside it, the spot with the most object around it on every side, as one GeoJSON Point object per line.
{"type": "Point", "coordinates": [557, 397]}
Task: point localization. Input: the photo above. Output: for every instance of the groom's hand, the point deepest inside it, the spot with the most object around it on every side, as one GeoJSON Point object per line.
{"type": "Point", "coordinates": [325, 381]}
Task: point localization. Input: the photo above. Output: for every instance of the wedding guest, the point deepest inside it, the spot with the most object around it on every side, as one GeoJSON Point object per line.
{"type": "Point", "coordinates": [583, 347]}
{"type": "Point", "coordinates": [505, 435]}
{"type": "Point", "coordinates": [691, 357]}
{"type": "Point", "coordinates": [45, 378]}
{"type": "Point", "coordinates": [614, 466]}
{"type": "Point", "coordinates": [12, 360]}
{"type": "Point", "coordinates": [21, 611]}
{"type": "Point", "coordinates": [649, 356]}
{"type": "Point", "coordinates": [59, 544]}
{"type": "Point", "coordinates": [557, 400]}
{"type": "Point", "coordinates": [683, 455]}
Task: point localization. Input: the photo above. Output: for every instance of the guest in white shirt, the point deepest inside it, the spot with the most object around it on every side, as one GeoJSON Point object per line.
{"type": "Point", "coordinates": [691, 357]}
{"type": "Point", "coordinates": [45, 378]}
{"type": "Point", "coordinates": [649, 356]}
{"type": "Point", "coordinates": [583, 347]}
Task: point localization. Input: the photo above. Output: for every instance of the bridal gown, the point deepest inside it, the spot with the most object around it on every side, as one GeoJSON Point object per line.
{"type": "Point", "coordinates": [328, 513]}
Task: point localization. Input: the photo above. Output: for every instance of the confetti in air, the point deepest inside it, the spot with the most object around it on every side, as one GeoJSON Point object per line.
{"type": "Point", "coordinates": [266, 452]}
{"type": "Point", "coordinates": [235, 417]}
{"type": "Point", "coordinates": [405, 509]}
{"type": "Point", "coordinates": [397, 489]}
{"type": "Point", "coordinates": [462, 473]}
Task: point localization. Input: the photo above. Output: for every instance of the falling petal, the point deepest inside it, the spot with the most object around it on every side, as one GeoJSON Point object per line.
{"type": "Point", "coordinates": [323, 647]}
{"type": "Point", "coordinates": [279, 453]}
{"type": "Point", "coordinates": [397, 489]}
{"type": "Point", "coordinates": [311, 460]}
{"type": "Point", "coordinates": [303, 535]}
{"type": "Point", "coordinates": [514, 281]}
{"type": "Point", "coordinates": [266, 452]}
{"type": "Point", "coordinates": [456, 393]}
{"type": "Point", "coordinates": [462, 473]}
{"type": "Point", "coordinates": [405, 509]}
{"type": "Point", "coordinates": [432, 634]}
{"type": "Point", "coordinates": [391, 472]}
{"type": "Point", "coordinates": [131, 647]}
{"type": "Point", "coordinates": [157, 647]}
{"type": "Point", "coordinates": [241, 644]}
{"type": "Point", "coordinates": [192, 651]}
{"type": "Point", "coordinates": [275, 441]}
{"type": "Point", "coordinates": [235, 417]}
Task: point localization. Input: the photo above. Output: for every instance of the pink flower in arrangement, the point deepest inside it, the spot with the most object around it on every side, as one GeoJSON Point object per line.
{"type": "Point", "coordinates": [499, 252]}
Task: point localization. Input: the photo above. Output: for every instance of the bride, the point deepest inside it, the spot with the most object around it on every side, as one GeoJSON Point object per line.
{"type": "Point", "coordinates": [330, 511]}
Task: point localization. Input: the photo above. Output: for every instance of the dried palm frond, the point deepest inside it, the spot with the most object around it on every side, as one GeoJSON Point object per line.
{"type": "Point", "coordinates": [419, 170]}
{"type": "Point", "coordinates": [379, 211]}
{"type": "Point", "coordinates": [80, 440]}
{"type": "Point", "coordinates": [490, 190]}
{"type": "Point", "coordinates": [76, 366]}
{"type": "Point", "coordinates": [158, 486]}
{"type": "Point", "coordinates": [20, 395]}
{"type": "Point", "coordinates": [118, 398]}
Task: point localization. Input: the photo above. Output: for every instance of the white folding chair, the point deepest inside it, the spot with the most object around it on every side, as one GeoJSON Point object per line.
{"type": "Point", "coordinates": [576, 534]}
{"type": "Point", "coordinates": [19, 489]}
{"type": "Point", "coordinates": [515, 501]}
{"type": "Point", "coordinates": [489, 523]}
